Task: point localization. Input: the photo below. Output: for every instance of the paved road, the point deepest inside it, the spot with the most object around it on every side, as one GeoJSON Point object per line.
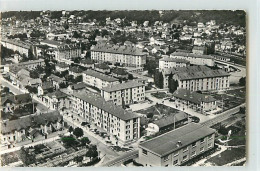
{"type": "Point", "coordinates": [223, 116]}
{"type": "Point", "coordinates": [11, 87]}
{"type": "Point", "coordinates": [103, 148]}
{"type": "Point", "coordinates": [118, 161]}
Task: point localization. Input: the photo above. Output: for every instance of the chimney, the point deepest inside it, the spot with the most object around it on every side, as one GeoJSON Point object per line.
{"type": "Point", "coordinates": [179, 144]}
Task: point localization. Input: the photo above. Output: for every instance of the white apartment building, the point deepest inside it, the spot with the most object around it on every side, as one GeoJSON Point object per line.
{"type": "Point", "coordinates": [127, 55]}
{"type": "Point", "coordinates": [98, 79]}
{"type": "Point", "coordinates": [195, 59]}
{"type": "Point", "coordinates": [127, 93]}
{"type": "Point", "coordinates": [123, 125]}
{"type": "Point", "coordinates": [16, 45]}
{"type": "Point", "coordinates": [198, 78]}
{"type": "Point", "coordinates": [167, 62]}
{"type": "Point", "coordinates": [67, 52]}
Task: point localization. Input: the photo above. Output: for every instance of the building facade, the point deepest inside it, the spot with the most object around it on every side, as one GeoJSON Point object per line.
{"type": "Point", "coordinates": [177, 147]}
{"type": "Point", "coordinates": [122, 126]}
{"type": "Point", "coordinates": [198, 78]}
{"type": "Point", "coordinates": [193, 100]}
{"type": "Point", "coordinates": [168, 62]}
{"type": "Point", "coordinates": [98, 79]}
{"type": "Point", "coordinates": [194, 59]}
{"type": "Point", "coordinates": [125, 55]}
{"type": "Point", "coordinates": [124, 93]}
{"type": "Point", "coordinates": [15, 45]}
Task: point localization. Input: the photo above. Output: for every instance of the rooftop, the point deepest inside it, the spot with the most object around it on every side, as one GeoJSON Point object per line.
{"type": "Point", "coordinates": [100, 75]}
{"type": "Point", "coordinates": [107, 106]}
{"type": "Point", "coordinates": [125, 49]}
{"type": "Point", "coordinates": [191, 55]}
{"type": "Point", "coordinates": [122, 86]}
{"type": "Point", "coordinates": [194, 97]}
{"type": "Point", "coordinates": [167, 143]}
{"type": "Point", "coordinates": [30, 121]}
{"type": "Point", "coordinates": [119, 71]}
{"type": "Point", "coordinates": [174, 60]}
{"type": "Point", "coordinates": [17, 99]}
{"type": "Point", "coordinates": [166, 121]}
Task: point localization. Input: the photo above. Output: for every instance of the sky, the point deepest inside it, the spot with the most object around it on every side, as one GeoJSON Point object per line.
{"type": "Point", "coordinates": [14, 5]}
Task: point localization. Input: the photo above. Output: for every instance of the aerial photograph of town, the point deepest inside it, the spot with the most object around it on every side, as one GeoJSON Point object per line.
{"type": "Point", "coordinates": [137, 88]}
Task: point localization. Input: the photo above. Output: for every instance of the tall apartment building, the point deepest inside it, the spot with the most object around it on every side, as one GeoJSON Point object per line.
{"type": "Point", "coordinates": [98, 79]}
{"type": "Point", "coordinates": [127, 55]}
{"type": "Point", "coordinates": [63, 51]}
{"type": "Point", "coordinates": [123, 125]}
{"type": "Point", "coordinates": [198, 78]}
{"type": "Point", "coordinates": [167, 62]}
{"type": "Point", "coordinates": [195, 59]}
{"type": "Point", "coordinates": [17, 45]}
{"type": "Point", "coordinates": [177, 147]}
{"type": "Point", "coordinates": [127, 93]}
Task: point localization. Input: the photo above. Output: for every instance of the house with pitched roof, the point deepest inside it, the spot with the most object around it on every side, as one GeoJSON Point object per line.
{"type": "Point", "coordinates": [190, 99]}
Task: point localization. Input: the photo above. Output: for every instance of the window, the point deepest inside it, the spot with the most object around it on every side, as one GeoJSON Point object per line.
{"type": "Point", "coordinates": [175, 162]}
{"type": "Point", "coordinates": [166, 158]}
{"type": "Point", "coordinates": [211, 136]}
{"type": "Point", "coordinates": [209, 145]}
{"type": "Point", "coordinates": [201, 149]}
{"type": "Point", "coordinates": [185, 149]}
{"type": "Point", "coordinates": [202, 140]}
{"type": "Point", "coordinates": [193, 144]}
{"type": "Point", "coordinates": [193, 153]}
{"type": "Point", "coordinates": [175, 154]}
{"type": "Point", "coordinates": [185, 157]}
{"type": "Point", "coordinates": [144, 152]}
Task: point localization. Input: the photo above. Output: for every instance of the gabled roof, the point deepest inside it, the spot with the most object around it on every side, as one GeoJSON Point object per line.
{"type": "Point", "coordinates": [58, 94]}
{"type": "Point", "coordinates": [76, 69]}
{"type": "Point", "coordinates": [30, 121]}
{"type": "Point", "coordinates": [169, 120]}
{"type": "Point", "coordinates": [119, 71]}
{"type": "Point", "coordinates": [18, 99]}
{"type": "Point", "coordinates": [102, 66]}
{"type": "Point", "coordinates": [78, 86]}
{"type": "Point", "coordinates": [168, 143]}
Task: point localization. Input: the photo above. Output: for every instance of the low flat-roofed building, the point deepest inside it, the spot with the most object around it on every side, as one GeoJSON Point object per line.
{"type": "Point", "coordinates": [127, 93]}
{"type": "Point", "coordinates": [172, 121]}
{"type": "Point", "coordinates": [98, 79]}
{"type": "Point", "coordinates": [195, 59]}
{"type": "Point", "coordinates": [33, 64]}
{"type": "Point", "coordinates": [199, 102]}
{"type": "Point", "coordinates": [177, 147]}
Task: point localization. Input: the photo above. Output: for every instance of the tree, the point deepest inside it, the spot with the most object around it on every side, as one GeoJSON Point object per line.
{"type": "Point", "coordinates": [172, 84]}
{"type": "Point", "coordinates": [26, 157]}
{"type": "Point", "coordinates": [130, 77]}
{"type": "Point", "coordinates": [71, 129]}
{"type": "Point", "coordinates": [104, 32]}
{"type": "Point", "coordinates": [92, 152]}
{"type": "Point", "coordinates": [6, 90]}
{"type": "Point", "coordinates": [78, 159]}
{"type": "Point", "coordinates": [85, 140]}
{"type": "Point", "coordinates": [78, 132]}
{"type": "Point", "coordinates": [158, 79]}
{"type": "Point", "coordinates": [242, 81]}
{"type": "Point", "coordinates": [32, 90]}
{"type": "Point", "coordinates": [63, 85]}
{"type": "Point", "coordinates": [150, 115]}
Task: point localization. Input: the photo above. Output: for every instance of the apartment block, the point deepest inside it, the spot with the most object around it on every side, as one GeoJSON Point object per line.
{"type": "Point", "coordinates": [167, 62]}
{"type": "Point", "coordinates": [127, 55]}
{"type": "Point", "coordinates": [127, 93]}
{"type": "Point", "coordinates": [98, 79]}
{"type": "Point", "coordinates": [177, 147]}
{"type": "Point", "coordinates": [195, 59]}
{"type": "Point", "coordinates": [123, 126]}
{"type": "Point", "coordinates": [198, 78]}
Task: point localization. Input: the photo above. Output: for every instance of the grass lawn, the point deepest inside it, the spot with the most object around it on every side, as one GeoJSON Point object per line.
{"type": "Point", "coordinates": [160, 95]}
{"type": "Point", "coordinates": [158, 110]}
{"type": "Point", "coordinates": [228, 156]}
